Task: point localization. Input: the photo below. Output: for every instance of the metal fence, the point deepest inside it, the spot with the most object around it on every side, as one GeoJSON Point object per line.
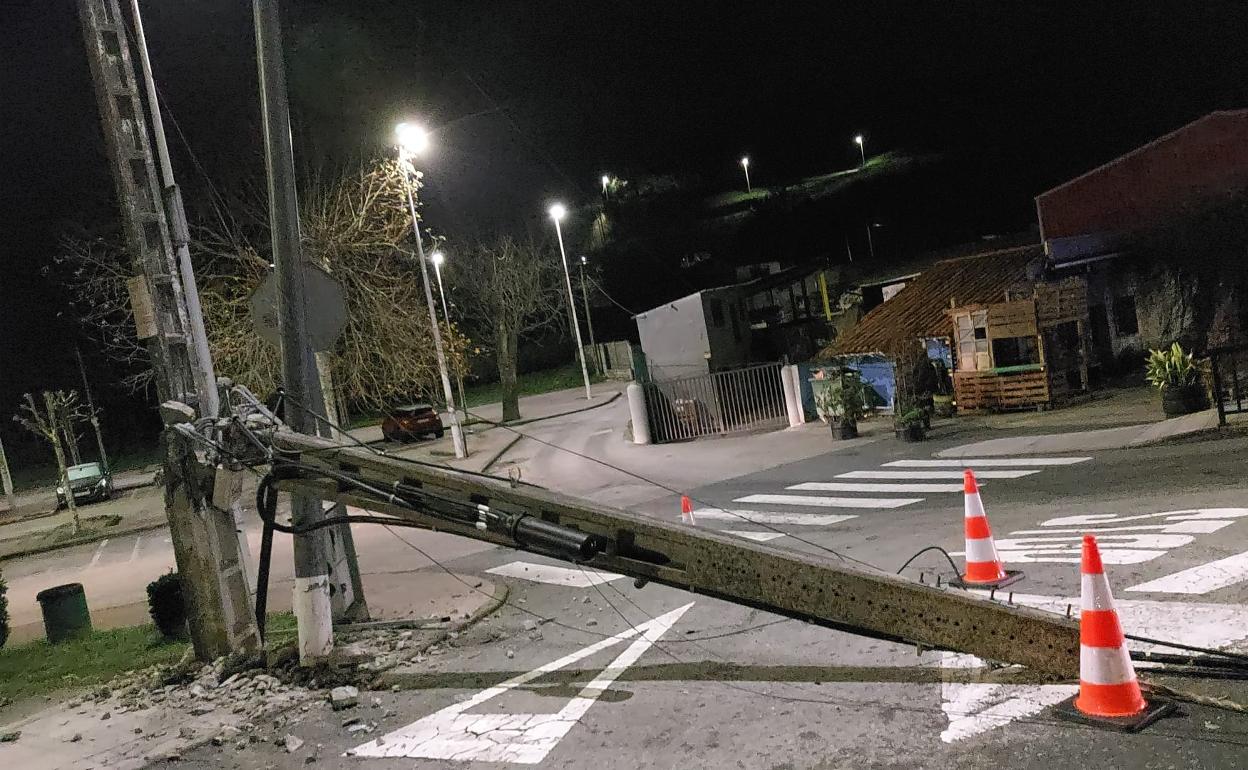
{"type": "Point", "coordinates": [750, 398]}
{"type": "Point", "coordinates": [1230, 380]}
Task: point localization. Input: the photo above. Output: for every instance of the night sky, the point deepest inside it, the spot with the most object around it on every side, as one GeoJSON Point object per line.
{"type": "Point", "coordinates": [534, 100]}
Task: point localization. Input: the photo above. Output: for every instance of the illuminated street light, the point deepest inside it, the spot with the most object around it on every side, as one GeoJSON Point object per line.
{"type": "Point", "coordinates": [557, 213]}
{"type": "Point", "coordinates": [412, 141]}
{"type": "Point", "coordinates": [862, 148]}
{"type": "Point", "coordinates": [745, 165]}
{"type": "Point", "coordinates": [606, 180]}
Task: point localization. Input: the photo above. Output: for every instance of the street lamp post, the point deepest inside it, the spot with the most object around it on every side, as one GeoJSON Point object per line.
{"type": "Point", "coordinates": [862, 149]}
{"type": "Point", "coordinates": [557, 213]}
{"type": "Point", "coordinates": [437, 258]}
{"type": "Point", "coordinates": [745, 164]}
{"type": "Point", "coordinates": [412, 140]}
{"type": "Point", "coordinates": [589, 319]}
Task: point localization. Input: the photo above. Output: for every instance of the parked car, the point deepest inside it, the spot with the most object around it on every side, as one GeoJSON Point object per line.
{"type": "Point", "coordinates": [408, 423]}
{"type": "Point", "coordinates": [90, 483]}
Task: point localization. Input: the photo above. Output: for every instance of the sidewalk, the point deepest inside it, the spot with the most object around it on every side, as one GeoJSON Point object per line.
{"type": "Point", "coordinates": [538, 407]}
{"type": "Point", "coordinates": [1119, 419]}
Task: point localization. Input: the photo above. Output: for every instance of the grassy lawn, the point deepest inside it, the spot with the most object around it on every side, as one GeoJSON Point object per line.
{"type": "Point", "coordinates": [39, 668]}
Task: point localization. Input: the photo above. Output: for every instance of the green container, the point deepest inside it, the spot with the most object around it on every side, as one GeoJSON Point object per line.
{"type": "Point", "coordinates": [65, 614]}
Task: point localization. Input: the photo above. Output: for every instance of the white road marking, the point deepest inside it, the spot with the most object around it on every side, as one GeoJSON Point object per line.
{"type": "Point", "coordinates": [555, 576]}
{"type": "Point", "coordinates": [767, 517]}
{"type": "Point", "coordinates": [1202, 579]}
{"type": "Point", "coordinates": [919, 475]}
{"type": "Point", "coordinates": [521, 738]}
{"type": "Point", "coordinates": [134, 552]}
{"type": "Point", "coordinates": [976, 708]}
{"type": "Point", "coordinates": [761, 537]}
{"type": "Point", "coordinates": [602, 432]}
{"type": "Point", "coordinates": [988, 462]}
{"type": "Point", "coordinates": [831, 502]}
{"type": "Point", "coordinates": [99, 551]}
{"type": "Point", "coordinates": [849, 486]}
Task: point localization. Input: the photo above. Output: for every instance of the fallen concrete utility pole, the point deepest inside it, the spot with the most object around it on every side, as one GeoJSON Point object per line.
{"type": "Point", "coordinates": [812, 587]}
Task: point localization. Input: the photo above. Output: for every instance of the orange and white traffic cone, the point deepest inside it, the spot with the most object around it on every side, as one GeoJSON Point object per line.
{"type": "Point", "coordinates": [686, 510]}
{"type": "Point", "coordinates": [1109, 693]}
{"type": "Point", "coordinates": [983, 565]}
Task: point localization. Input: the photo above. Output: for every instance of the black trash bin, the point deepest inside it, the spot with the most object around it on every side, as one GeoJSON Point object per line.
{"type": "Point", "coordinates": [65, 614]}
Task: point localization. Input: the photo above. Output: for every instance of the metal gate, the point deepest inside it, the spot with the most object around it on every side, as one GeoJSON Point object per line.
{"type": "Point", "coordinates": [1230, 380]}
{"type": "Point", "coordinates": [751, 398]}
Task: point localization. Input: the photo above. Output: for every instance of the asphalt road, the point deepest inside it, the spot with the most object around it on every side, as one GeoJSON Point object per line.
{"type": "Point", "coordinates": [616, 677]}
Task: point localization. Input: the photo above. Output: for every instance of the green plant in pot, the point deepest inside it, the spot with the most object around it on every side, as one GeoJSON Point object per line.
{"type": "Point", "coordinates": [910, 423]}
{"type": "Point", "coordinates": [1173, 372]}
{"type": "Point", "coordinates": [842, 401]}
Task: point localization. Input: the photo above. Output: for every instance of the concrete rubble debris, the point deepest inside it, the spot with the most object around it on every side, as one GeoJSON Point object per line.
{"type": "Point", "coordinates": [292, 743]}
{"type": "Point", "coordinates": [344, 697]}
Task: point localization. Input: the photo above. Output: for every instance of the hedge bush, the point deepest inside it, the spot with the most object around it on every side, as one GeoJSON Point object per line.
{"type": "Point", "coordinates": [167, 605]}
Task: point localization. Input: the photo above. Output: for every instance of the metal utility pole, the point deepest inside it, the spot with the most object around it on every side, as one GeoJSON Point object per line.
{"type": "Point", "coordinates": [95, 417]}
{"type": "Point", "coordinates": [438, 259]}
{"type": "Point", "coordinates": [205, 378]}
{"type": "Point", "coordinates": [221, 619]}
{"type": "Point", "coordinates": [557, 212]}
{"type": "Point", "coordinates": [312, 600]}
{"type": "Point", "coordinates": [6, 480]}
{"type": "Point", "coordinates": [589, 320]}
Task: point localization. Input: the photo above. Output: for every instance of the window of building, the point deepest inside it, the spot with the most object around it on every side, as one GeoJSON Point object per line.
{"type": "Point", "coordinates": [1015, 351]}
{"type": "Point", "coordinates": [717, 312]}
{"type": "Point", "coordinates": [972, 341]}
{"type": "Point", "coordinates": [1125, 321]}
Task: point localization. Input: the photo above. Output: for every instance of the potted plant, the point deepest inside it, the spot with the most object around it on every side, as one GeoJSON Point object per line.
{"type": "Point", "coordinates": [1173, 372]}
{"type": "Point", "coordinates": [841, 402]}
{"type": "Point", "coordinates": [910, 424]}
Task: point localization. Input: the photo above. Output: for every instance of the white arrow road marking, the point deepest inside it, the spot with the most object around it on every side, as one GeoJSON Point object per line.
{"type": "Point", "coordinates": [976, 708]}
{"type": "Point", "coordinates": [1202, 579]}
{"type": "Point", "coordinates": [746, 516]}
{"type": "Point", "coordinates": [1061, 539]}
{"type": "Point", "coordinates": [918, 475]}
{"type": "Point", "coordinates": [760, 537]}
{"type": "Point", "coordinates": [521, 738]}
{"type": "Point", "coordinates": [830, 502]}
{"type": "Point", "coordinates": [988, 462]}
{"type": "Point", "coordinates": [555, 576]}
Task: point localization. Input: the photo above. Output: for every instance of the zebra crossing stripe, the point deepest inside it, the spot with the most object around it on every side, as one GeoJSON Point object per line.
{"type": "Point", "coordinates": [987, 462]}
{"type": "Point", "coordinates": [743, 516]}
{"type": "Point", "coordinates": [1202, 579]}
{"type": "Point", "coordinates": [830, 502]}
{"type": "Point", "coordinates": [928, 475]}
{"type": "Point", "coordinates": [849, 486]}
{"type": "Point", "coordinates": [759, 537]}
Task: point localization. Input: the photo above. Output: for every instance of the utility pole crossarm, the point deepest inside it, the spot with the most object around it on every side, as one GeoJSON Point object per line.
{"type": "Point", "coordinates": [811, 587]}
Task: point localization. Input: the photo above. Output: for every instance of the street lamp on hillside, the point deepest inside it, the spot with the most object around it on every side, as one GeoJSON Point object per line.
{"type": "Point", "coordinates": [745, 166]}
{"type": "Point", "coordinates": [557, 213]}
{"type": "Point", "coordinates": [862, 149]}
{"type": "Point", "coordinates": [412, 140]}
{"type": "Point", "coordinates": [606, 181]}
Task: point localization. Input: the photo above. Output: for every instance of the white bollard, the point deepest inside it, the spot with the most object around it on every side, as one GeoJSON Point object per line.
{"type": "Point", "coordinates": [637, 411]}
{"type": "Point", "coordinates": [797, 394]}
{"type": "Point", "coordinates": [791, 404]}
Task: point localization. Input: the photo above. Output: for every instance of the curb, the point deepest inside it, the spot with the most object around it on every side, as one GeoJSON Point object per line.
{"type": "Point", "coordinates": [36, 550]}
{"type": "Point", "coordinates": [498, 455]}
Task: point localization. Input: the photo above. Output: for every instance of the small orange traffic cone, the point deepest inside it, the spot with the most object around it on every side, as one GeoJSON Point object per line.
{"type": "Point", "coordinates": [686, 510]}
{"type": "Point", "coordinates": [1109, 693]}
{"type": "Point", "coordinates": [983, 565]}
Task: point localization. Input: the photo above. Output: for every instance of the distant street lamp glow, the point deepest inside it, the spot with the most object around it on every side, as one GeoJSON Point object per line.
{"type": "Point", "coordinates": [557, 212]}
{"type": "Point", "coordinates": [412, 139]}
{"type": "Point", "coordinates": [606, 180]}
{"type": "Point", "coordinates": [862, 148]}
{"type": "Point", "coordinates": [745, 165]}
{"type": "Point", "coordinates": [437, 258]}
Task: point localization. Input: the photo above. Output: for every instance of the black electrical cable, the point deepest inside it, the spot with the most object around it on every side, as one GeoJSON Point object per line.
{"type": "Point", "coordinates": [925, 550]}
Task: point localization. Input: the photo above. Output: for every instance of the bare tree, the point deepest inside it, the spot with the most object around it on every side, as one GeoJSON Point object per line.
{"type": "Point", "coordinates": [356, 226]}
{"type": "Point", "coordinates": [510, 290]}
{"type": "Point", "coordinates": [60, 409]}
